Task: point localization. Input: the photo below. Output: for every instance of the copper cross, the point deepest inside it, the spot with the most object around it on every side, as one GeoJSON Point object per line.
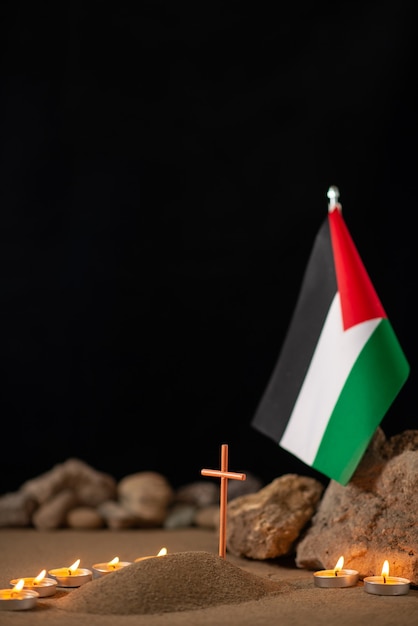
{"type": "Point", "coordinates": [224, 475]}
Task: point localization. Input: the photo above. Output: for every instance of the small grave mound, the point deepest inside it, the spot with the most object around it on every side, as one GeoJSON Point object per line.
{"type": "Point", "coordinates": [182, 581]}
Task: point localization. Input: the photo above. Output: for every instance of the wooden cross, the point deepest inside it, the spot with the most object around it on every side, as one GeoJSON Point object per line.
{"type": "Point", "coordinates": [224, 475]}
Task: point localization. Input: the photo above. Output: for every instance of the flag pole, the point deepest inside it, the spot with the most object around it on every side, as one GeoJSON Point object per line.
{"type": "Point", "coordinates": [333, 194]}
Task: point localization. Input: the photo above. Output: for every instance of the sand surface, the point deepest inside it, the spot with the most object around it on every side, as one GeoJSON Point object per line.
{"type": "Point", "coordinates": [183, 581]}
{"type": "Point", "coordinates": [190, 586]}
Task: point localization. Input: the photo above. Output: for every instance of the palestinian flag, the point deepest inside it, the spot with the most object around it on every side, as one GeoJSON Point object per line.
{"type": "Point", "coordinates": [340, 366]}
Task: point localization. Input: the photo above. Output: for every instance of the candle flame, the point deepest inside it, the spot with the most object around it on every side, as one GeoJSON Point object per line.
{"type": "Point", "coordinates": [339, 565]}
{"type": "Point", "coordinates": [74, 566]}
{"type": "Point", "coordinates": [162, 552]}
{"type": "Point", "coordinates": [19, 585]}
{"type": "Point", "coordinates": [39, 577]}
{"type": "Point", "coordinates": [114, 561]}
{"type": "Point", "coordinates": [385, 570]}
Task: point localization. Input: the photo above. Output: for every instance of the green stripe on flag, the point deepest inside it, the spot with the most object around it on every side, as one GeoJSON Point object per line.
{"type": "Point", "coordinates": [374, 381]}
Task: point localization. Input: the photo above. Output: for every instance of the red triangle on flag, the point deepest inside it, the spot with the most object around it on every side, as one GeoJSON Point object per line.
{"type": "Point", "coordinates": [359, 300]}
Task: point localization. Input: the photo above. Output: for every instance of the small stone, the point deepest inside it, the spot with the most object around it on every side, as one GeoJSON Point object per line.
{"type": "Point", "coordinates": [180, 516]}
{"type": "Point", "coordinates": [201, 493]}
{"type": "Point", "coordinates": [53, 513]}
{"type": "Point", "coordinates": [207, 517]}
{"type": "Point", "coordinates": [16, 509]}
{"type": "Point", "coordinates": [90, 486]}
{"type": "Point", "coordinates": [84, 517]}
{"type": "Point", "coordinates": [116, 516]}
{"type": "Point", "coordinates": [237, 488]}
{"type": "Point", "coordinates": [147, 495]}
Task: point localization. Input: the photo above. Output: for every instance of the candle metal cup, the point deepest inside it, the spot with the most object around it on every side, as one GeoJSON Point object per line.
{"type": "Point", "coordinates": [22, 600]}
{"type": "Point", "coordinates": [328, 578]}
{"type": "Point", "coordinates": [45, 587]}
{"type": "Point", "coordinates": [66, 578]}
{"type": "Point", "coordinates": [102, 569]}
{"type": "Point", "coordinates": [394, 585]}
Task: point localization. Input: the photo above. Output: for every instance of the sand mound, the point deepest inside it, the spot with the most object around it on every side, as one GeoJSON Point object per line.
{"type": "Point", "coordinates": [182, 581]}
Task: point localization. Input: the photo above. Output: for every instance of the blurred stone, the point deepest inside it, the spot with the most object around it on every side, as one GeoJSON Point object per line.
{"type": "Point", "coordinates": [53, 514]}
{"type": "Point", "coordinates": [374, 517]}
{"type": "Point", "coordinates": [147, 495]}
{"type": "Point", "coordinates": [201, 493]}
{"type": "Point", "coordinates": [90, 486]}
{"type": "Point", "coordinates": [84, 517]}
{"type": "Point", "coordinates": [267, 524]}
{"type": "Point", "coordinates": [16, 509]}
{"type": "Point", "coordinates": [207, 517]}
{"type": "Point", "coordinates": [237, 488]}
{"type": "Point", "coordinates": [116, 516]}
{"type": "Point", "coordinates": [180, 516]}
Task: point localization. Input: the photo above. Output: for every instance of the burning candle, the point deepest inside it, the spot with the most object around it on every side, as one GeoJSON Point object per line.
{"type": "Point", "coordinates": [72, 576]}
{"type": "Point", "coordinates": [385, 585]}
{"type": "Point", "coordinates": [101, 569]}
{"type": "Point", "coordinates": [42, 585]}
{"type": "Point", "coordinates": [17, 599]}
{"type": "Point", "coordinates": [337, 577]}
{"type": "Point", "coordinates": [162, 552]}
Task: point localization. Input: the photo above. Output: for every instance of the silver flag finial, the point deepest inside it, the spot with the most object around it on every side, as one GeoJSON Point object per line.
{"type": "Point", "coordinates": [333, 195]}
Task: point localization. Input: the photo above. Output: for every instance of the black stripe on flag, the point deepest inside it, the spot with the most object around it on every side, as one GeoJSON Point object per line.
{"type": "Point", "coordinates": [318, 289]}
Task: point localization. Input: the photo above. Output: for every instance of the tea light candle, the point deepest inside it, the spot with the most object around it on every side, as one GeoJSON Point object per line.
{"type": "Point", "coordinates": [386, 585]}
{"type": "Point", "coordinates": [17, 599]}
{"type": "Point", "coordinates": [42, 585]}
{"type": "Point", "coordinates": [337, 577]}
{"type": "Point", "coordinates": [162, 552]}
{"type": "Point", "coordinates": [72, 576]}
{"type": "Point", "coordinates": [101, 569]}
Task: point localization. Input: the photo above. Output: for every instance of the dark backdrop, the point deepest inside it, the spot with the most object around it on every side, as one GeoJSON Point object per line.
{"type": "Point", "coordinates": [164, 171]}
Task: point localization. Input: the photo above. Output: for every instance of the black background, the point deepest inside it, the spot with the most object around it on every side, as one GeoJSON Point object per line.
{"type": "Point", "coordinates": [164, 170]}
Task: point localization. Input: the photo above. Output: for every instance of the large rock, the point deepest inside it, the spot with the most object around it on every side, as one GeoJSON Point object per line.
{"type": "Point", "coordinates": [374, 517]}
{"type": "Point", "coordinates": [266, 524]}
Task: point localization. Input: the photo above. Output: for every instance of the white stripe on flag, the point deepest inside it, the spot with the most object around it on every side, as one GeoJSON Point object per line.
{"type": "Point", "coordinates": [334, 356]}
